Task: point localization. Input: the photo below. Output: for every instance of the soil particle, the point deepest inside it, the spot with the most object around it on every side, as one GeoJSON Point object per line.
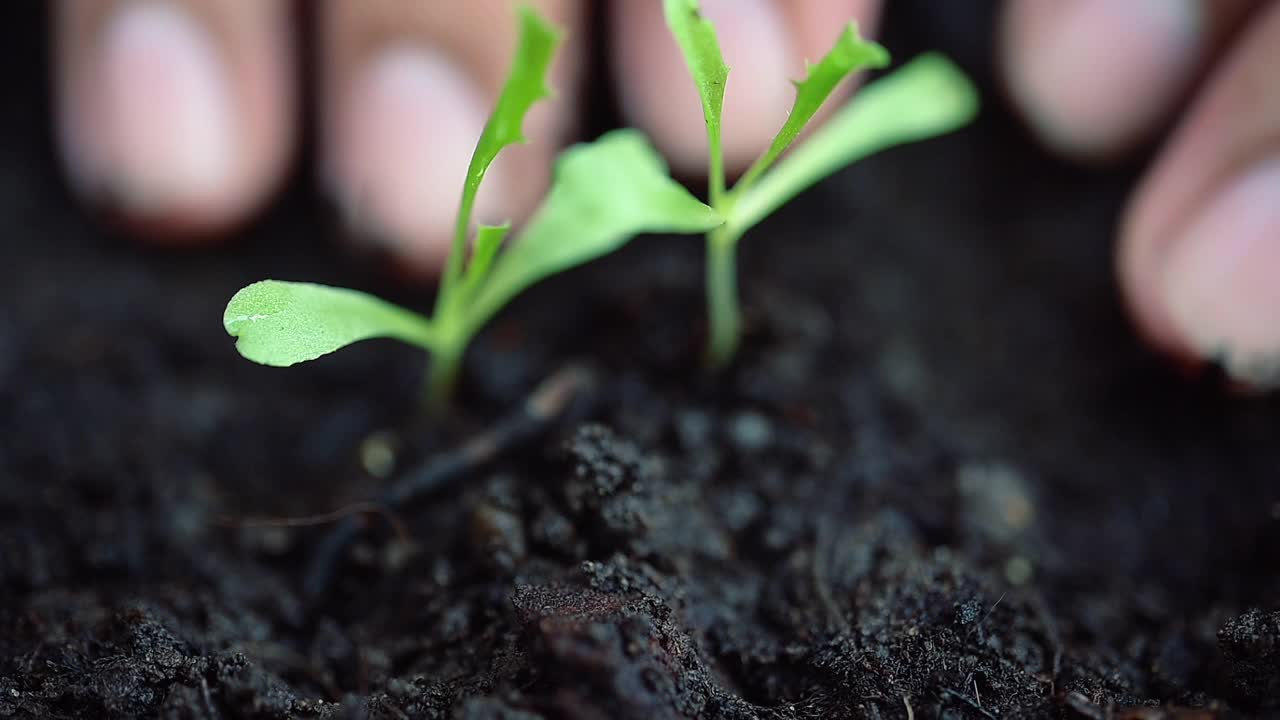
{"type": "Point", "coordinates": [135, 666]}
{"type": "Point", "coordinates": [498, 536]}
{"type": "Point", "coordinates": [1251, 645]}
{"type": "Point", "coordinates": [616, 655]}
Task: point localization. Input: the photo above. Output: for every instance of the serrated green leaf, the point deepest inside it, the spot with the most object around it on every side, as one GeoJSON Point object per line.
{"type": "Point", "coordinates": [526, 84]}
{"type": "Point", "coordinates": [604, 193]}
{"type": "Point", "coordinates": [697, 40]}
{"type": "Point", "coordinates": [284, 323]}
{"type": "Point", "coordinates": [849, 55]}
{"type": "Point", "coordinates": [927, 97]}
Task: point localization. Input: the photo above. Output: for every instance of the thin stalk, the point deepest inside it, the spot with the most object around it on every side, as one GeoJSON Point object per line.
{"type": "Point", "coordinates": [442, 375]}
{"type": "Point", "coordinates": [716, 189]}
{"type": "Point", "coordinates": [722, 297]}
{"type": "Point", "coordinates": [456, 260]}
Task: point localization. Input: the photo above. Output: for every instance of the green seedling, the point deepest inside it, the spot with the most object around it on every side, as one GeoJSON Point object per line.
{"type": "Point", "coordinates": [603, 193]}
{"type": "Point", "coordinates": [928, 96]}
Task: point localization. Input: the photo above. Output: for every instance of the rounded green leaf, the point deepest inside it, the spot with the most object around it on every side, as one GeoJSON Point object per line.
{"type": "Point", "coordinates": [284, 323]}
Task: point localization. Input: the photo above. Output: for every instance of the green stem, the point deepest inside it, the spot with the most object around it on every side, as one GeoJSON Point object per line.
{"type": "Point", "coordinates": [716, 184]}
{"type": "Point", "coordinates": [442, 375]}
{"type": "Point", "coordinates": [722, 297]}
{"type": "Point", "coordinates": [456, 260]}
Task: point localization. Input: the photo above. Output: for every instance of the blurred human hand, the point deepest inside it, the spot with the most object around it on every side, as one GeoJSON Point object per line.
{"type": "Point", "coordinates": [1199, 247]}
{"type": "Point", "coordinates": [182, 114]}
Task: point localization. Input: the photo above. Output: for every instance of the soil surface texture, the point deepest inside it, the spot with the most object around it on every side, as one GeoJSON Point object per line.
{"type": "Point", "coordinates": [943, 479]}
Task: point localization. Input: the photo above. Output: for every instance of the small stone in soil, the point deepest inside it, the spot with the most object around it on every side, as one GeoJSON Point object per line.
{"type": "Point", "coordinates": [750, 431]}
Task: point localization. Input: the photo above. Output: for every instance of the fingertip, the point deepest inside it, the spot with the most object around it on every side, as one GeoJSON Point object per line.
{"type": "Point", "coordinates": [407, 90]}
{"type": "Point", "coordinates": [658, 95]}
{"type": "Point", "coordinates": [1092, 77]}
{"type": "Point", "coordinates": [1199, 251]}
{"type": "Point", "coordinates": [764, 43]}
{"type": "Point", "coordinates": [178, 128]}
{"type": "Point", "coordinates": [398, 151]}
{"type": "Point", "coordinates": [1217, 284]}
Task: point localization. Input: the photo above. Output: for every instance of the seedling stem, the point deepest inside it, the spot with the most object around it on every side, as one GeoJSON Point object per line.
{"type": "Point", "coordinates": [722, 296]}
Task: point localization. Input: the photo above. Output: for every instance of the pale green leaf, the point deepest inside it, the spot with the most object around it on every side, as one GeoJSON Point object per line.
{"type": "Point", "coordinates": [604, 193]}
{"type": "Point", "coordinates": [526, 84]}
{"type": "Point", "coordinates": [283, 323]}
{"type": "Point", "coordinates": [849, 55]}
{"type": "Point", "coordinates": [927, 97]}
{"type": "Point", "coordinates": [697, 40]}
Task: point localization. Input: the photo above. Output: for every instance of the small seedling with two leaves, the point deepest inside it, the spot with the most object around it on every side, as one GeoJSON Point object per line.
{"type": "Point", "coordinates": [608, 191]}
{"type": "Point", "coordinates": [603, 193]}
{"type": "Point", "coordinates": [927, 97]}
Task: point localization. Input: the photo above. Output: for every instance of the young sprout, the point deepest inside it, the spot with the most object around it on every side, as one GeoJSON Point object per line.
{"type": "Point", "coordinates": [603, 193]}
{"type": "Point", "coordinates": [928, 96]}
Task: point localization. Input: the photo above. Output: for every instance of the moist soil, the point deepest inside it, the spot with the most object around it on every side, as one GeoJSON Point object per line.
{"type": "Point", "coordinates": [942, 480]}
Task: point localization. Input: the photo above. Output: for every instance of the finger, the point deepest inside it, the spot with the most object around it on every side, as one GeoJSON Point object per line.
{"type": "Point", "coordinates": [178, 113]}
{"type": "Point", "coordinates": [1200, 251]}
{"type": "Point", "coordinates": [765, 44]}
{"type": "Point", "coordinates": [406, 92]}
{"type": "Point", "coordinates": [1093, 77]}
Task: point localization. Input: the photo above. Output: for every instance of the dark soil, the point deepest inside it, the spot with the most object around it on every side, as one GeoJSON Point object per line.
{"type": "Point", "coordinates": [944, 480]}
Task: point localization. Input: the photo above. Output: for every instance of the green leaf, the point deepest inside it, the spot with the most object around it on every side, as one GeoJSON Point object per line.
{"type": "Point", "coordinates": [604, 193]}
{"type": "Point", "coordinates": [488, 239]}
{"type": "Point", "coordinates": [697, 40]}
{"type": "Point", "coordinates": [927, 97]}
{"type": "Point", "coordinates": [849, 55]}
{"type": "Point", "coordinates": [283, 323]}
{"type": "Point", "coordinates": [526, 84]}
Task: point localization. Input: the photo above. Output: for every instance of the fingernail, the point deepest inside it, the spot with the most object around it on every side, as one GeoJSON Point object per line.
{"type": "Point", "coordinates": [1093, 75]}
{"type": "Point", "coordinates": [158, 131]}
{"type": "Point", "coordinates": [1222, 279]}
{"type": "Point", "coordinates": [402, 142]}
